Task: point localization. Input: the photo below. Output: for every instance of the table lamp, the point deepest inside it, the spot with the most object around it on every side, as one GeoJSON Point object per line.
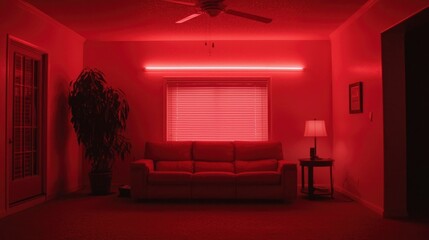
{"type": "Point", "coordinates": [315, 128]}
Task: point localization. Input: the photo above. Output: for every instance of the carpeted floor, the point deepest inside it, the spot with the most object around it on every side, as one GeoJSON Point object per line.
{"type": "Point", "coordinates": [81, 216]}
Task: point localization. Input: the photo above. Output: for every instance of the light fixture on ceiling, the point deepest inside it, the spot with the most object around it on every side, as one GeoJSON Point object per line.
{"type": "Point", "coordinates": [224, 68]}
{"type": "Point", "coordinates": [213, 8]}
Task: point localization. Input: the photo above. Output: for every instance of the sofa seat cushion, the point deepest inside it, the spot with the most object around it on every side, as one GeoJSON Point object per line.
{"type": "Point", "coordinates": [256, 165]}
{"type": "Point", "coordinates": [166, 177]}
{"type": "Point", "coordinates": [213, 177]}
{"type": "Point", "coordinates": [266, 177]}
{"type": "Point", "coordinates": [175, 166]}
{"type": "Point", "coordinates": [258, 150]}
{"type": "Point", "coordinates": [169, 151]}
{"type": "Point", "coordinates": [213, 151]}
{"type": "Point", "coordinates": [213, 167]}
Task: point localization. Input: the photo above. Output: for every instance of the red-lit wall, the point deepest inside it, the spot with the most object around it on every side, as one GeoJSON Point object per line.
{"type": "Point", "coordinates": [358, 140]}
{"type": "Point", "coordinates": [295, 96]}
{"type": "Point", "coordinates": [64, 49]}
{"type": "Point", "coordinates": [354, 140]}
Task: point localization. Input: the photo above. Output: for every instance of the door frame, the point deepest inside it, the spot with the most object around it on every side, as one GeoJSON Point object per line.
{"type": "Point", "coordinates": [16, 207]}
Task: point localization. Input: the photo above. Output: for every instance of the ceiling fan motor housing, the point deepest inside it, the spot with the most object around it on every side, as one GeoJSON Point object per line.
{"type": "Point", "coordinates": [212, 7]}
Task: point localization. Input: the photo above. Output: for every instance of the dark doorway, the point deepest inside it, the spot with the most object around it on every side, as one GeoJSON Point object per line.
{"type": "Point", "coordinates": [405, 63]}
{"type": "Point", "coordinates": [417, 114]}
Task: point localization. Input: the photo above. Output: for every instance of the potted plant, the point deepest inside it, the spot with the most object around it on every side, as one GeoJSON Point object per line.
{"type": "Point", "coordinates": [98, 115]}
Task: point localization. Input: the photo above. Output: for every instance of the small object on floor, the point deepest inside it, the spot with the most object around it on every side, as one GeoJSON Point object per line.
{"type": "Point", "coordinates": [124, 191]}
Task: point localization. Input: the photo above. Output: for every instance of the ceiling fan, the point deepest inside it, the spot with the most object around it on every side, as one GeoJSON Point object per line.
{"type": "Point", "coordinates": [214, 8]}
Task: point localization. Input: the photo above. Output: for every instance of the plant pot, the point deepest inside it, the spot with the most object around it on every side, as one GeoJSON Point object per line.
{"type": "Point", "coordinates": [100, 182]}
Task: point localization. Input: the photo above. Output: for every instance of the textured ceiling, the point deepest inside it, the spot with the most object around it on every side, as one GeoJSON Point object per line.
{"type": "Point", "coordinates": [133, 20]}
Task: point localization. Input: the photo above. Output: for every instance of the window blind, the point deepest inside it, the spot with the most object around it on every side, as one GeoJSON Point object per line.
{"type": "Point", "coordinates": [230, 110]}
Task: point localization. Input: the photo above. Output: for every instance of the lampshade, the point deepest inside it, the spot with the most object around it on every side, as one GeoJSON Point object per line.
{"type": "Point", "coordinates": [315, 128]}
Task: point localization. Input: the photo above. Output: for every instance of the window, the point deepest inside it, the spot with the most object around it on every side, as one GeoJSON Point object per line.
{"type": "Point", "coordinates": [226, 109]}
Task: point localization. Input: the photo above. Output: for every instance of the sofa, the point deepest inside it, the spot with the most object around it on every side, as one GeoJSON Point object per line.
{"type": "Point", "coordinates": [213, 170]}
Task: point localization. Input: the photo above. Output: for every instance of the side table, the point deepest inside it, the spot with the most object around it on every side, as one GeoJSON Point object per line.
{"type": "Point", "coordinates": [311, 164]}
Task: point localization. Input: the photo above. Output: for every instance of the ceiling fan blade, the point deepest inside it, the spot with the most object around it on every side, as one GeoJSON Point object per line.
{"type": "Point", "coordinates": [248, 16]}
{"type": "Point", "coordinates": [188, 17]}
{"type": "Point", "coordinates": [191, 4]}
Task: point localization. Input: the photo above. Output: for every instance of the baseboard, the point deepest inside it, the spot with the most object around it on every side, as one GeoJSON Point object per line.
{"type": "Point", "coordinates": [18, 207]}
{"type": "Point", "coordinates": [369, 205]}
{"type": "Point", "coordinates": [377, 209]}
{"type": "Point", "coordinates": [68, 191]}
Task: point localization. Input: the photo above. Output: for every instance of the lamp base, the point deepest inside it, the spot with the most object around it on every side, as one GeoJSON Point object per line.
{"type": "Point", "coordinates": [312, 153]}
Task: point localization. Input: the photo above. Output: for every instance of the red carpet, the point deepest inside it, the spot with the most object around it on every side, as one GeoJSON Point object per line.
{"type": "Point", "coordinates": [80, 216]}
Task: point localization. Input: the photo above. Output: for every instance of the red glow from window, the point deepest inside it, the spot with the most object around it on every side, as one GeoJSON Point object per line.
{"type": "Point", "coordinates": [217, 111]}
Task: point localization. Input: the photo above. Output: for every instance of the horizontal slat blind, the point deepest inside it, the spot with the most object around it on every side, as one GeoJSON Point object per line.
{"type": "Point", "coordinates": [217, 111]}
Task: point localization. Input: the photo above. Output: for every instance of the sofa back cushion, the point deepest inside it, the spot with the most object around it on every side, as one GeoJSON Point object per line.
{"type": "Point", "coordinates": [213, 151]}
{"type": "Point", "coordinates": [174, 166]}
{"type": "Point", "coordinates": [258, 150]}
{"type": "Point", "coordinates": [256, 165]}
{"type": "Point", "coordinates": [168, 151]}
{"type": "Point", "coordinates": [200, 166]}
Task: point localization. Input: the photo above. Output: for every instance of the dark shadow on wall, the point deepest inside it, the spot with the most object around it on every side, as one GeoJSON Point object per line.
{"type": "Point", "coordinates": [60, 135]}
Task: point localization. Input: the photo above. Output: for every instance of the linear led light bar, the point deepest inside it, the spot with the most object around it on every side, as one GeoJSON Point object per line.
{"type": "Point", "coordinates": [224, 68]}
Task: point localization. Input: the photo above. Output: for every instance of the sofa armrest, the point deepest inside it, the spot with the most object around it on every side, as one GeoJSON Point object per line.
{"type": "Point", "coordinates": [286, 165]}
{"type": "Point", "coordinates": [289, 178]}
{"type": "Point", "coordinates": [139, 174]}
{"type": "Point", "coordinates": [143, 163]}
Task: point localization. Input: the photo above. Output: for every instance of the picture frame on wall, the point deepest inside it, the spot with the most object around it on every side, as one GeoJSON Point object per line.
{"type": "Point", "coordinates": [355, 98]}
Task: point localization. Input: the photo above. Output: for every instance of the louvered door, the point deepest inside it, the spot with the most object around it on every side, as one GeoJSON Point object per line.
{"type": "Point", "coordinates": [24, 124]}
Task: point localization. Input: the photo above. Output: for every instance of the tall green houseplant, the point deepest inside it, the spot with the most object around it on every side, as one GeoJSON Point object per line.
{"type": "Point", "coordinates": [98, 115]}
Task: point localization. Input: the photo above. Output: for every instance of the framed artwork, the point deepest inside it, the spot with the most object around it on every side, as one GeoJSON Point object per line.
{"type": "Point", "coordinates": [355, 98]}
